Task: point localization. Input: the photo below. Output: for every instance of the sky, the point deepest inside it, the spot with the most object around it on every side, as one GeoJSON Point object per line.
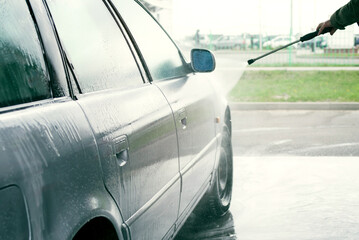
{"type": "Point", "coordinates": [250, 16]}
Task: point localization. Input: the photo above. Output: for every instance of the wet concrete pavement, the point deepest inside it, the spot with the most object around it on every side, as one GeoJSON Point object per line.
{"type": "Point", "coordinates": [296, 133]}
{"type": "Point", "coordinates": [295, 177]}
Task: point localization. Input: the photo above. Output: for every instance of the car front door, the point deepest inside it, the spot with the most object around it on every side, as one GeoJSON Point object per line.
{"type": "Point", "coordinates": [131, 119]}
{"type": "Point", "coordinates": [189, 95]}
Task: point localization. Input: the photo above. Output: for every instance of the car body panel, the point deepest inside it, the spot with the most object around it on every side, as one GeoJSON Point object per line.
{"type": "Point", "coordinates": [46, 151]}
{"type": "Point", "coordinates": [13, 208]}
{"type": "Point", "coordinates": [150, 178]}
{"type": "Point", "coordinates": [191, 101]}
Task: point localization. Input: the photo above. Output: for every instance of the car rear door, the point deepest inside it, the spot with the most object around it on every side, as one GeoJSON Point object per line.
{"type": "Point", "coordinates": [190, 97]}
{"type": "Point", "coordinates": [46, 142]}
{"type": "Point", "coordinates": [131, 119]}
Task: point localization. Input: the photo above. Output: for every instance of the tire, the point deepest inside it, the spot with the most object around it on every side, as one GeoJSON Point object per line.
{"type": "Point", "coordinates": [217, 201]}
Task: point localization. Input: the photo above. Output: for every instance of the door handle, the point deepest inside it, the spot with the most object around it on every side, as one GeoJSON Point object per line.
{"type": "Point", "coordinates": [121, 149]}
{"type": "Point", "coordinates": [182, 116]}
{"type": "Point", "coordinates": [184, 122]}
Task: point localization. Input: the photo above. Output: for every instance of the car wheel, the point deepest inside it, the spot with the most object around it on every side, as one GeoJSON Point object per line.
{"type": "Point", "coordinates": [216, 202]}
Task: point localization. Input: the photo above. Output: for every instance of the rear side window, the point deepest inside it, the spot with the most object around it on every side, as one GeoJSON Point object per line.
{"type": "Point", "coordinates": [161, 55]}
{"type": "Point", "coordinates": [95, 45]}
{"type": "Point", "coordinates": [23, 74]}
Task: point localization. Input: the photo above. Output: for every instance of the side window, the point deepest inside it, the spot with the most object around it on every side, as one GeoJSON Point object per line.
{"type": "Point", "coordinates": [95, 45]}
{"type": "Point", "coordinates": [161, 55]}
{"type": "Point", "coordinates": [23, 74]}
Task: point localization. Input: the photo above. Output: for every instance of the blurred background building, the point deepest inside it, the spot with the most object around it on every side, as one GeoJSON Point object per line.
{"type": "Point", "coordinates": [248, 27]}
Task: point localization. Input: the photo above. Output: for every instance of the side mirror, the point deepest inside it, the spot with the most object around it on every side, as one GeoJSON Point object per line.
{"type": "Point", "coordinates": [202, 60]}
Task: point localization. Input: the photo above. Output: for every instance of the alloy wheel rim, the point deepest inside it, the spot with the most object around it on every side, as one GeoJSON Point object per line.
{"type": "Point", "coordinates": [223, 175]}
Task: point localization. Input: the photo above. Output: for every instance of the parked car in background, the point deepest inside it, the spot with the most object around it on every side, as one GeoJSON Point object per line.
{"type": "Point", "coordinates": [229, 42]}
{"type": "Point", "coordinates": [356, 40]}
{"type": "Point", "coordinates": [203, 40]}
{"type": "Point", "coordinates": [106, 131]}
{"type": "Point", "coordinates": [319, 42]}
{"type": "Point", "coordinates": [255, 41]}
{"type": "Point", "coordinates": [278, 41]}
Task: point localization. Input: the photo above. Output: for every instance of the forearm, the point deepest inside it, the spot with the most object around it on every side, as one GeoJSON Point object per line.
{"type": "Point", "coordinates": [346, 15]}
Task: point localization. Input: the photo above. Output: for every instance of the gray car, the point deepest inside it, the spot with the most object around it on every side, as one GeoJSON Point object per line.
{"type": "Point", "coordinates": [106, 131]}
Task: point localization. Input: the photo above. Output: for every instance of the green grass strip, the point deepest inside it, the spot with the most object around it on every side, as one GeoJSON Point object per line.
{"type": "Point", "coordinates": [302, 65]}
{"type": "Point", "coordinates": [297, 86]}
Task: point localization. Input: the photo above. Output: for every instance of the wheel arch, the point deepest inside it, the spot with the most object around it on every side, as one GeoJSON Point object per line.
{"type": "Point", "coordinates": [90, 230]}
{"type": "Point", "coordinates": [105, 217]}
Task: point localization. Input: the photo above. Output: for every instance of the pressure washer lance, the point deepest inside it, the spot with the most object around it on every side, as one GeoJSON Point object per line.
{"type": "Point", "coordinates": [307, 37]}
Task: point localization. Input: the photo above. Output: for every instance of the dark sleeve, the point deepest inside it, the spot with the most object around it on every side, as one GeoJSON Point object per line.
{"type": "Point", "coordinates": [346, 15]}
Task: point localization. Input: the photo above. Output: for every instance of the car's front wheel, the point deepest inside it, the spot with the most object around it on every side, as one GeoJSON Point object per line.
{"type": "Point", "coordinates": [217, 201]}
{"type": "Point", "coordinates": [221, 192]}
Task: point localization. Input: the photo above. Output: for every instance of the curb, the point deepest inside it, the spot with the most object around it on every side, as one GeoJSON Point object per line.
{"type": "Point", "coordinates": [302, 69]}
{"type": "Point", "coordinates": [345, 106]}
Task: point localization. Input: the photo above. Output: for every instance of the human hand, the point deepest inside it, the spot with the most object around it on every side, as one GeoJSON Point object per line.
{"type": "Point", "coordinates": [326, 24]}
